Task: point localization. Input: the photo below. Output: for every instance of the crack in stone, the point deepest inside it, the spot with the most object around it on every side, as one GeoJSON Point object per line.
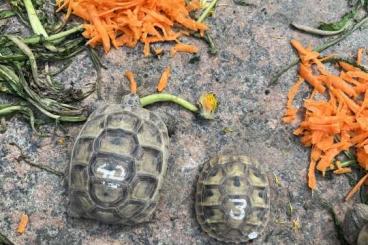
{"type": "Point", "coordinates": [42, 167]}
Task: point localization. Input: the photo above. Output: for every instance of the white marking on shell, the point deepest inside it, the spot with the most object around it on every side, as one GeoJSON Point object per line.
{"type": "Point", "coordinates": [253, 235]}
{"type": "Point", "coordinates": [118, 173]}
{"type": "Point", "coordinates": [240, 205]}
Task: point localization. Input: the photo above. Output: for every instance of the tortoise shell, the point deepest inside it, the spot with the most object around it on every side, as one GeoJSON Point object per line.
{"type": "Point", "coordinates": [232, 199]}
{"type": "Point", "coordinates": [117, 165]}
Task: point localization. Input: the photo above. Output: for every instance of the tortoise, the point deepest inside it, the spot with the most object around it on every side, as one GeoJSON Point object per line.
{"type": "Point", "coordinates": [355, 224]}
{"type": "Point", "coordinates": [118, 164]}
{"type": "Point", "coordinates": [232, 199]}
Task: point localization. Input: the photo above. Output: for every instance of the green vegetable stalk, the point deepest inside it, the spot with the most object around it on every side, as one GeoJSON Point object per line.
{"type": "Point", "coordinates": [24, 68]}
{"type": "Point", "coordinates": [33, 19]}
{"type": "Point", "coordinates": [207, 104]}
{"type": "Point", "coordinates": [6, 109]}
{"type": "Point", "coordinates": [207, 11]}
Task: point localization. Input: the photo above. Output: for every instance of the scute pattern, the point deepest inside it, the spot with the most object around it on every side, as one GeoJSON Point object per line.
{"type": "Point", "coordinates": [232, 199]}
{"type": "Point", "coordinates": [117, 165]}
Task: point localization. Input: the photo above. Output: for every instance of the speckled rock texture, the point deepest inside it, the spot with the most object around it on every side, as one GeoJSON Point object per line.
{"type": "Point", "coordinates": [253, 44]}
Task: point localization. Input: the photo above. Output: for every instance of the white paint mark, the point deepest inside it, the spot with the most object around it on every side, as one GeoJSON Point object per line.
{"type": "Point", "coordinates": [253, 235]}
{"type": "Point", "coordinates": [118, 173]}
{"type": "Point", "coordinates": [240, 205]}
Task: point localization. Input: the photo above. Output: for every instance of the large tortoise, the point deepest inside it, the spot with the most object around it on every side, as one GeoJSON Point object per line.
{"type": "Point", "coordinates": [232, 199]}
{"type": "Point", "coordinates": [118, 164]}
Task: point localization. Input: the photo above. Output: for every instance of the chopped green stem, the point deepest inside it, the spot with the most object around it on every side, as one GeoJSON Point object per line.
{"type": "Point", "coordinates": [326, 45]}
{"type": "Point", "coordinates": [36, 24]}
{"type": "Point", "coordinates": [53, 38]}
{"type": "Point", "coordinates": [7, 109]}
{"type": "Point", "coordinates": [12, 57]}
{"type": "Point", "coordinates": [57, 117]}
{"type": "Point", "coordinates": [6, 14]}
{"type": "Point", "coordinates": [98, 65]}
{"type": "Point", "coordinates": [319, 48]}
{"type": "Point", "coordinates": [349, 155]}
{"type": "Point", "coordinates": [207, 11]}
{"type": "Point", "coordinates": [154, 98]}
{"type": "Point", "coordinates": [335, 59]}
{"type": "Point", "coordinates": [212, 47]}
{"type": "Point", "coordinates": [347, 163]}
{"type": "Point", "coordinates": [64, 33]}
{"type": "Point", "coordinates": [32, 60]}
{"type": "Point", "coordinates": [316, 31]}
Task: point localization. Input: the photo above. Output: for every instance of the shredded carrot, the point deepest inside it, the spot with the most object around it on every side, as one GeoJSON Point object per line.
{"type": "Point", "coordinates": [162, 84]}
{"type": "Point", "coordinates": [312, 182]}
{"type": "Point", "coordinates": [335, 121]}
{"type": "Point", "coordinates": [362, 157]}
{"type": "Point", "coordinates": [360, 56]}
{"type": "Point", "coordinates": [133, 84]}
{"type": "Point", "coordinates": [125, 23]}
{"type": "Point", "coordinates": [22, 223]}
{"type": "Point", "coordinates": [347, 67]}
{"type": "Point", "coordinates": [356, 187]}
{"type": "Point", "coordinates": [307, 74]}
{"type": "Point", "coordinates": [180, 47]}
{"type": "Point", "coordinates": [342, 171]}
{"type": "Point", "coordinates": [290, 115]}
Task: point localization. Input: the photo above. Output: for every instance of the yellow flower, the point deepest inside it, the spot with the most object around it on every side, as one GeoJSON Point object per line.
{"type": "Point", "coordinates": [208, 105]}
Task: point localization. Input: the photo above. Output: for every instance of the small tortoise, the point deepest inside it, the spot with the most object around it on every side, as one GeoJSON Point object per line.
{"type": "Point", "coordinates": [355, 224]}
{"type": "Point", "coordinates": [232, 199]}
{"type": "Point", "coordinates": [118, 164]}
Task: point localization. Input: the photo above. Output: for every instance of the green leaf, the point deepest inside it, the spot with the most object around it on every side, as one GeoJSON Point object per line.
{"type": "Point", "coordinates": [8, 109]}
{"type": "Point", "coordinates": [6, 14]}
{"type": "Point", "coordinates": [338, 25]}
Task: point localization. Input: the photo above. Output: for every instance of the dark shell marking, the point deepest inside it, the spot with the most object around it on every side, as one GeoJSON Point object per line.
{"type": "Point", "coordinates": [117, 166]}
{"type": "Point", "coordinates": [232, 199]}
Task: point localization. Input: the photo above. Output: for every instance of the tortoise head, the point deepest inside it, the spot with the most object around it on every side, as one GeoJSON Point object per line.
{"type": "Point", "coordinates": [131, 100]}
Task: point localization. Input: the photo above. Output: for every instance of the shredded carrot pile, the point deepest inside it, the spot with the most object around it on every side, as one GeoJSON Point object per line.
{"type": "Point", "coordinates": [125, 23]}
{"type": "Point", "coordinates": [22, 223]}
{"type": "Point", "coordinates": [336, 113]}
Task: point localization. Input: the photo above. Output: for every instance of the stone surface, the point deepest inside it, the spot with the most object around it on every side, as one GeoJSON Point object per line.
{"type": "Point", "coordinates": [253, 44]}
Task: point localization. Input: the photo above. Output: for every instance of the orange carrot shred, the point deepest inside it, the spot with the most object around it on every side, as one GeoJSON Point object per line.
{"type": "Point", "coordinates": [360, 56]}
{"type": "Point", "coordinates": [335, 114]}
{"type": "Point", "coordinates": [22, 223]}
{"type": "Point", "coordinates": [180, 47]}
{"type": "Point", "coordinates": [356, 187]}
{"type": "Point", "coordinates": [133, 84]}
{"type": "Point", "coordinates": [93, 15]}
{"type": "Point", "coordinates": [342, 171]}
{"type": "Point", "coordinates": [362, 157]}
{"type": "Point", "coordinates": [162, 84]}
{"type": "Point", "coordinates": [125, 23]}
{"type": "Point", "coordinates": [305, 73]}
{"type": "Point", "coordinates": [290, 114]}
{"type": "Point", "coordinates": [348, 67]}
{"type": "Point", "coordinates": [312, 182]}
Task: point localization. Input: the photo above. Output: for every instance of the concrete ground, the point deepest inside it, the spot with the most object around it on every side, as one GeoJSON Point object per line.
{"type": "Point", "coordinates": [253, 44]}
